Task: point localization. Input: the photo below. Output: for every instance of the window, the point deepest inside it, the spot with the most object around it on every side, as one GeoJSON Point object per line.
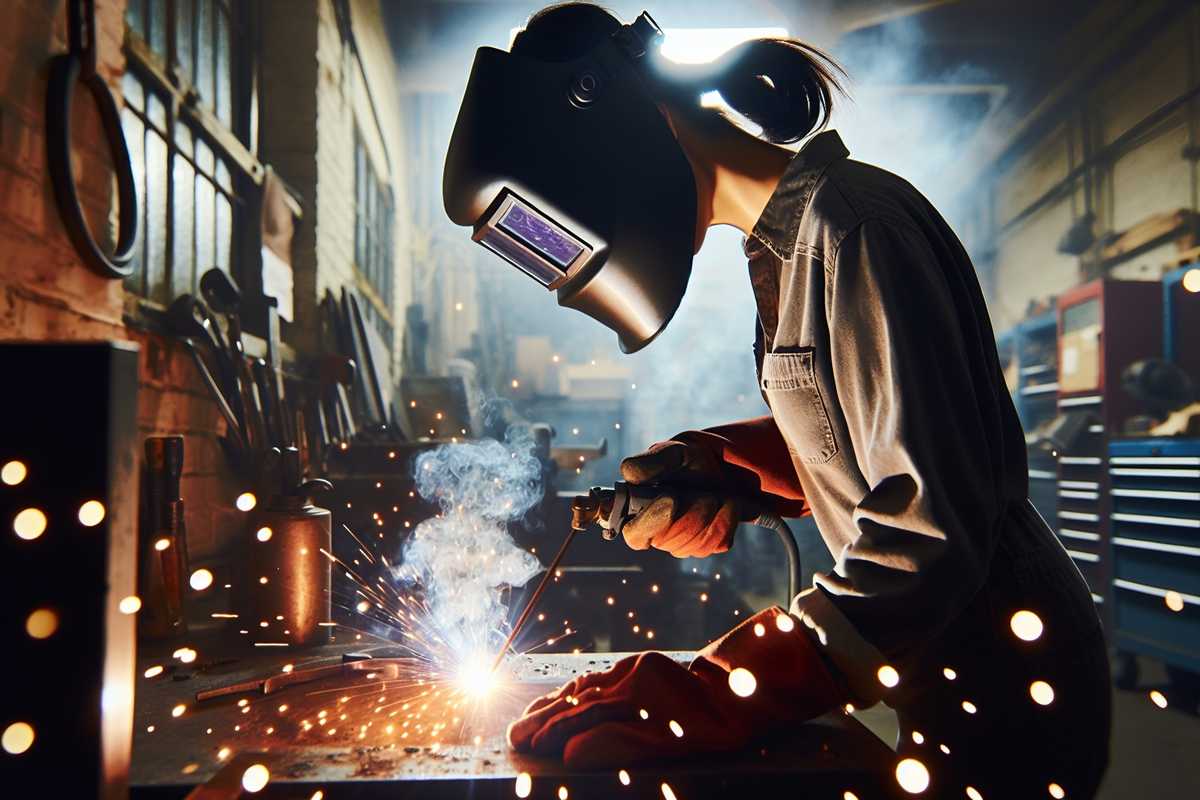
{"type": "Point", "coordinates": [187, 133]}
{"type": "Point", "coordinates": [373, 249]}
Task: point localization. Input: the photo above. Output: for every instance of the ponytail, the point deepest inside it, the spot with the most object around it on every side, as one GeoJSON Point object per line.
{"type": "Point", "coordinates": [784, 86]}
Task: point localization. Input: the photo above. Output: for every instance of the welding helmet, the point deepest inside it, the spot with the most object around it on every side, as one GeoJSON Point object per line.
{"type": "Point", "coordinates": [568, 171]}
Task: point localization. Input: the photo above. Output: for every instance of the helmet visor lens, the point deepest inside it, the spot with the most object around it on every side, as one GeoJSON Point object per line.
{"type": "Point", "coordinates": [531, 241]}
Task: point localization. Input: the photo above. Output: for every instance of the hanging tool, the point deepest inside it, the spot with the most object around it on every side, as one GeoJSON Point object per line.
{"type": "Point", "coordinates": [612, 509]}
{"type": "Point", "coordinates": [224, 297]}
{"type": "Point", "coordinates": [78, 64]}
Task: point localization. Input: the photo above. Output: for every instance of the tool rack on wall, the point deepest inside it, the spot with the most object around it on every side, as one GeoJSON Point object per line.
{"type": "Point", "coordinates": [1103, 327]}
{"type": "Point", "coordinates": [1033, 344]}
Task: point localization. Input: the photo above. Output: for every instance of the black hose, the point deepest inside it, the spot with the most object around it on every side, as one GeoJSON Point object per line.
{"type": "Point", "coordinates": [79, 66]}
{"type": "Point", "coordinates": [795, 577]}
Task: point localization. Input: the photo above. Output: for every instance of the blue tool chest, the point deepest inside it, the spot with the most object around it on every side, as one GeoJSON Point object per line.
{"type": "Point", "coordinates": [1155, 541]}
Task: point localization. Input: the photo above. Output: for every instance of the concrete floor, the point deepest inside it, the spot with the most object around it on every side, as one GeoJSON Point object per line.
{"type": "Point", "coordinates": [1155, 752]}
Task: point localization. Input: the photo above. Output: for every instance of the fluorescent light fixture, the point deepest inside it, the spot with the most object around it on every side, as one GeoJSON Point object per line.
{"type": "Point", "coordinates": [700, 45]}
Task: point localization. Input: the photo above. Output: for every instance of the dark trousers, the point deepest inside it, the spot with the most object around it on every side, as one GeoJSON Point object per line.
{"type": "Point", "coordinates": [1012, 746]}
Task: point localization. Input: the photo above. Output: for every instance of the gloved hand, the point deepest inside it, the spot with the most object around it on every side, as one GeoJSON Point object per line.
{"type": "Point", "coordinates": [708, 473]}
{"type": "Point", "coordinates": [692, 518]}
{"type": "Point", "coordinates": [649, 707]}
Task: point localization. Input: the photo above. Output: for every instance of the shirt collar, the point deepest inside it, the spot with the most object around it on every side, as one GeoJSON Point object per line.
{"type": "Point", "coordinates": [779, 223]}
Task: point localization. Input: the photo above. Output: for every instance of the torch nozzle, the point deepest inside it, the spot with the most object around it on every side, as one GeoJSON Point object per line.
{"type": "Point", "coordinates": [594, 506]}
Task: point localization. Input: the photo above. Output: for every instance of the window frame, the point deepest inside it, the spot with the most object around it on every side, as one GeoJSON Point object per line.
{"type": "Point", "coordinates": [234, 146]}
{"type": "Point", "coordinates": [374, 243]}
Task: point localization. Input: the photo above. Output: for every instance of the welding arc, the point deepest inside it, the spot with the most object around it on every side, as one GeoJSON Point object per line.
{"type": "Point", "coordinates": [533, 601]}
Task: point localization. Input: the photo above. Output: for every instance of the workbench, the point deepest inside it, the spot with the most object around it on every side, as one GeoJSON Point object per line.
{"type": "Point", "coordinates": [362, 757]}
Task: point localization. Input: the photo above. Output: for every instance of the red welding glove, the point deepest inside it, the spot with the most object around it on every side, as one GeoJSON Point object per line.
{"type": "Point", "coordinates": [649, 707]}
{"type": "Point", "coordinates": [711, 474]}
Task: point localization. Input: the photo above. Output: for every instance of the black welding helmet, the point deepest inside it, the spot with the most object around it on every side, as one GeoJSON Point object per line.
{"type": "Point", "coordinates": [567, 170]}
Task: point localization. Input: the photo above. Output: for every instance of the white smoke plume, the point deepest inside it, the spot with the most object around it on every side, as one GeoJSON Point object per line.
{"type": "Point", "coordinates": [464, 558]}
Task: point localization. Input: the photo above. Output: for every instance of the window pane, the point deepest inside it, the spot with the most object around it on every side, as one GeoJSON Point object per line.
{"type": "Point", "coordinates": [185, 20]}
{"type": "Point", "coordinates": [131, 92]}
{"type": "Point", "coordinates": [158, 27]}
{"type": "Point", "coordinates": [156, 112]}
{"type": "Point", "coordinates": [157, 286]}
{"type": "Point", "coordinates": [134, 138]}
{"type": "Point", "coordinates": [135, 15]}
{"type": "Point", "coordinates": [206, 255]}
{"type": "Point", "coordinates": [182, 253]}
{"type": "Point", "coordinates": [223, 101]}
{"type": "Point", "coordinates": [224, 233]}
{"type": "Point", "coordinates": [204, 50]}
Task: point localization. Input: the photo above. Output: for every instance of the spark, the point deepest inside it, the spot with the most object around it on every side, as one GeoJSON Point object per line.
{"type": "Point", "coordinates": [759, 629]}
{"type": "Point", "coordinates": [623, 777]}
{"type": "Point", "coordinates": [91, 513]}
{"type": "Point", "coordinates": [676, 729]}
{"type": "Point", "coordinates": [223, 753]}
{"type": "Point", "coordinates": [178, 710]}
{"type": "Point", "coordinates": [13, 473]}
{"type": "Point", "coordinates": [785, 623]}
{"type": "Point", "coordinates": [1026, 625]}
{"type": "Point", "coordinates": [1056, 791]}
{"type": "Point", "coordinates": [912, 775]}
{"type": "Point", "coordinates": [255, 778]}
{"type": "Point", "coordinates": [246, 501]}
{"type": "Point", "coordinates": [973, 793]}
{"type": "Point", "coordinates": [130, 604]}
{"type": "Point", "coordinates": [918, 737]}
{"type": "Point", "coordinates": [949, 673]}
{"type": "Point", "coordinates": [1041, 692]}
{"type": "Point", "coordinates": [888, 676]}
{"type": "Point", "coordinates": [162, 544]}
{"type": "Point", "coordinates": [201, 579]}
{"type": "Point", "coordinates": [264, 534]}
{"type": "Point", "coordinates": [643, 713]}
{"type": "Point", "coordinates": [944, 749]}
{"type": "Point", "coordinates": [667, 793]}
{"type": "Point", "coordinates": [849, 795]}
{"type": "Point", "coordinates": [41, 624]}
{"type": "Point", "coordinates": [1158, 698]}
{"type": "Point", "coordinates": [30, 523]}
{"type": "Point", "coordinates": [523, 785]}
{"type": "Point", "coordinates": [153, 672]}
{"type": "Point", "coordinates": [742, 682]}
{"type": "Point", "coordinates": [17, 738]}
{"type": "Point", "coordinates": [969, 707]}
{"type": "Point", "coordinates": [1174, 601]}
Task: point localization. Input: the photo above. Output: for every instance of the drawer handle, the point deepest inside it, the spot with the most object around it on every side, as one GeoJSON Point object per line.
{"type": "Point", "coordinates": [1157, 547]}
{"type": "Point", "coordinates": [1153, 591]}
{"type": "Point", "coordinates": [1152, 519]}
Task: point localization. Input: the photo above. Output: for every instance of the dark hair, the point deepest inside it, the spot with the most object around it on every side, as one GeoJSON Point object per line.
{"type": "Point", "coordinates": [784, 86]}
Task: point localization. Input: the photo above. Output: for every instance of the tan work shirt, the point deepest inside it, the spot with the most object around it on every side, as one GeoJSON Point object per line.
{"type": "Point", "coordinates": [879, 364]}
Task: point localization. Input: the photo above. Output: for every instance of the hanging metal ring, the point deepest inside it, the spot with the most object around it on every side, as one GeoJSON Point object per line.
{"type": "Point", "coordinates": [79, 65]}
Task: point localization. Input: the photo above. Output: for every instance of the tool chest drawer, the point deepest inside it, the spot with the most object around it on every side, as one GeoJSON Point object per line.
{"type": "Point", "coordinates": [1154, 494]}
{"type": "Point", "coordinates": [1146, 625]}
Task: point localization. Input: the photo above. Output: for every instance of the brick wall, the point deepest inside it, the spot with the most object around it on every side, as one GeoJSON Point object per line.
{"type": "Point", "coordinates": [45, 291]}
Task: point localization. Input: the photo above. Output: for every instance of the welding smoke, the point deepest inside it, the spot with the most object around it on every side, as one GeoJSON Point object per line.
{"type": "Point", "coordinates": [464, 558]}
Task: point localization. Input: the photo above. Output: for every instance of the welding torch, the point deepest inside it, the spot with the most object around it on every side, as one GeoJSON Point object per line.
{"type": "Point", "coordinates": [612, 509]}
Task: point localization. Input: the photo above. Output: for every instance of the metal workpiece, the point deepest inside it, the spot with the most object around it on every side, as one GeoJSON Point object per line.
{"type": "Point", "coordinates": [288, 582]}
{"type": "Point", "coordinates": [365, 749]}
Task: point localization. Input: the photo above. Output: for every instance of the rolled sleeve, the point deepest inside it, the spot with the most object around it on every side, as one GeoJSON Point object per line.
{"type": "Point", "coordinates": [910, 391]}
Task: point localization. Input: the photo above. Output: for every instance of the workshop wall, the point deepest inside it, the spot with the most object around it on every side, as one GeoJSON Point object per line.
{"type": "Point", "coordinates": [312, 95]}
{"type": "Point", "coordinates": [1153, 173]}
{"type": "Point", "coordinates": [46, 293]}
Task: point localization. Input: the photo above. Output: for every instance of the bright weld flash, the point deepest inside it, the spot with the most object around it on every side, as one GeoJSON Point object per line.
{"type": "Point", "coordinates": [475, 677]}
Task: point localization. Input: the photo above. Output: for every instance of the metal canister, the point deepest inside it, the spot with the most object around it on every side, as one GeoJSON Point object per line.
{"type": "Point", "coordinates": [289, 573]}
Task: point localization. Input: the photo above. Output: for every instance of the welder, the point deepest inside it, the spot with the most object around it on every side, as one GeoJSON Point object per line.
{"type": "Point", "coordinates": [585, 159]}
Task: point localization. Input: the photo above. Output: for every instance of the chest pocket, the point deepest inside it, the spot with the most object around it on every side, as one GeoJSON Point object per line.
{"type": "Point", "coordinates": [790, 386]}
